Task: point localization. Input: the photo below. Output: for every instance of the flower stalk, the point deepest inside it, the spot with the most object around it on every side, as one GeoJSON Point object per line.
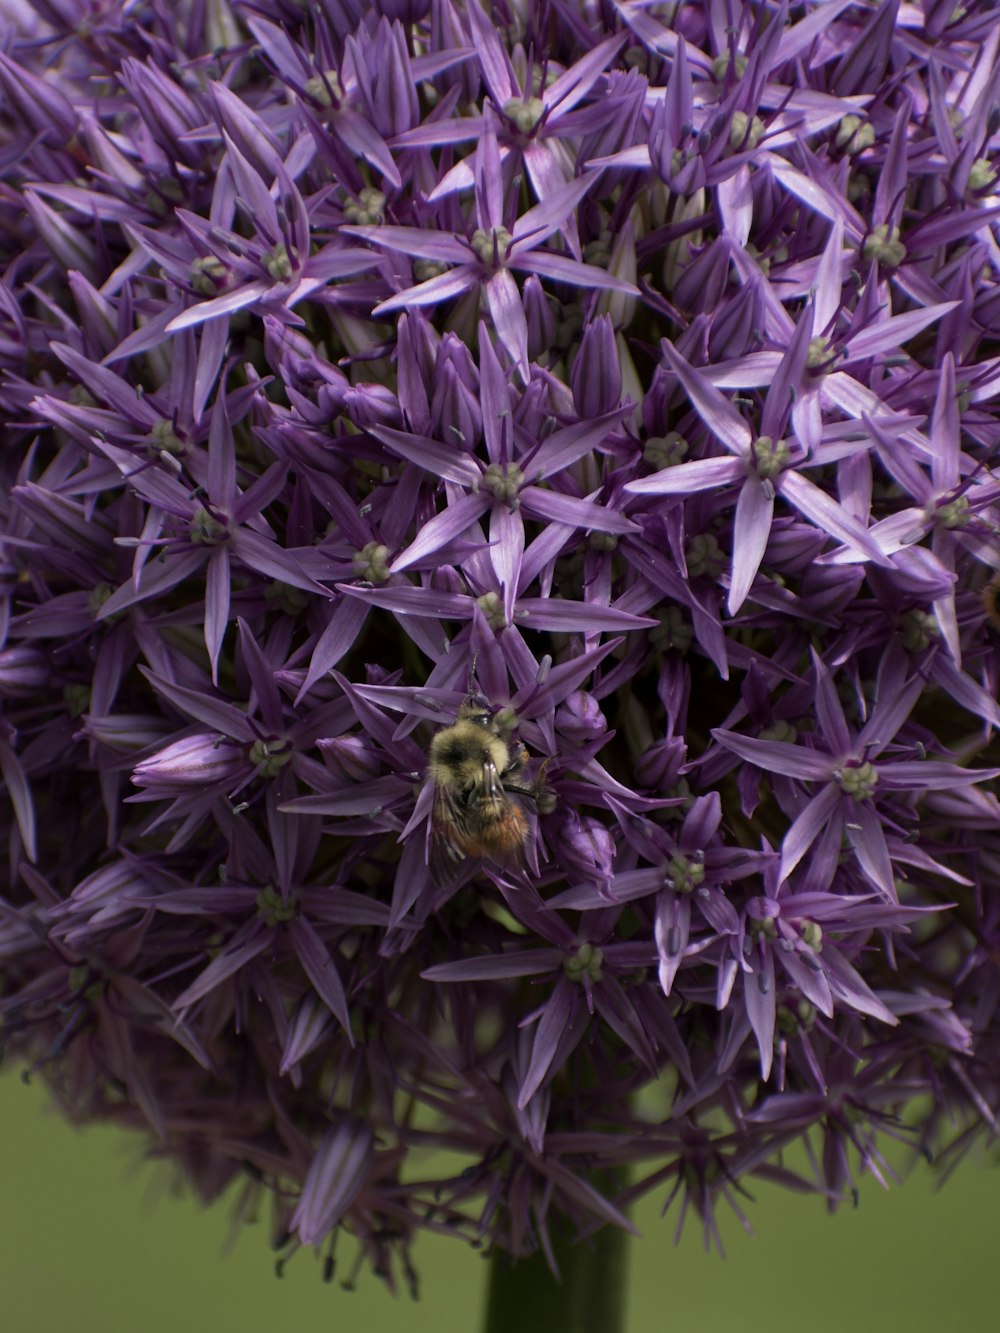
{"type": "Point", "coordinates": [589, 1296]}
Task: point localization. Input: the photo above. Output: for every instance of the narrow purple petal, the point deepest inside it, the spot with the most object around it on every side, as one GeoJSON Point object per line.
{"type": "Point", "coordinates": [892, 333]}
{"type": "Point", "coordinates": [439, 459]}
{"type": "Point", "coordinates": [217, 587]}
{"type": "Point", "coordinates": [568, 444]}
{"type": "Point", "coordinates": [828, 515]}
{"type": "Point", "coordinates": [754, 511]}
{"type": "Point", "coordinates": [717, 412]}
{"type": "Point", "coordinates": [562, 269]}
{"type": "Point", "coordinates": [342, 630]}
{"type": "Point", "coordinates": [321, 971]}
{"type": "Point", "coordinates": [777, 756]}
{"type": "Point", "coordinates": [554, 507]}
{"type": "Point", "coordinates": [404, 599]}
{"type": "Point", "coordinates": [504, 301]}
{"type": "Point", "coordinates": [227, 304]}
{"type": "Point", "coordinates": [443, 528]}
{"type": "Point", "coordinates": [830, 712]}
{"type": "Point", "coordinates": [493, 59]}
{"type": "Point", "coordinates": [366, 798]}
{"type": "Point", "coordinates": [867, 837]}
{"type": "Point", "coordinates": [813, 819]}
{"type": "Point", "coordinates": [704, 474]}
{"type": "Point", "coordinates": [336, 1177]}
{"type": "Point", "coordinates": [19, 795]}
{"type": "Point", "coordinates": [554, 614]}
{"type": "Point", "coordinates": [414, 241]}
{"type": "Point", "coordinates": [506, 550]}
{"type": "Point", "coordinates": [216, 713]}
{"type": "Point", "coordinates": [364, 141]}
{"type": "Point", "coordinates": [245, 945]}
{"type": "Point", "coordinates": [758, 996]}
{"type": "Point", "coordinates": [561, 1020]}
{"type": "Point", "coordinates": [517, 963]}
{"type": "Point", "coordinates": [455, 282]}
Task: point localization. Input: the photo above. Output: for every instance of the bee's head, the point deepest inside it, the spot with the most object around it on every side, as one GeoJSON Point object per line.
{"type": "Point", "coordinates": [477, 710]}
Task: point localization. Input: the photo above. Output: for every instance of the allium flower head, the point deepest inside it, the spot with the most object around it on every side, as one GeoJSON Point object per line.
{"type": "Point", "coordinates": [632, 366]}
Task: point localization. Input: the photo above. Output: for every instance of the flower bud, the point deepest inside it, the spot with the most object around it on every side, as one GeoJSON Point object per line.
{"type": "Point", "coordinates": [916, 573]}
{"type": "Point", "coordinates": [23, 671]}
{"type": "Point", "coordinates": [394, 104]}
{"type": "Point", "coordinates": [349, 759]}
{"type": "Point", "coordinates": [448, 33]}
{"type": "Point", "coordinates": [541, 318]}
{"type": "Point", "coordinates": [659, 767]}
{"type": "Point", "coordinates": [123, 732]}
{"type": "Point", "coordinates": [72, 247]}
{"type": "Point", "coordinates": [580, 718]}
{"type": "Point", "coordinates": [38, 102]}
{"type": "Point", "coordinates": [596, 378]}
{"type": "Point", "coordinates": [200, 760]}
{"type": "Point", "coordinates": [586, 848]}
{"type": "Point", "coordinates": [456, 415]}
{"type": "Point", "coordinates": [120, 883]}
{"type": "Point", "coordinates": [372, 405]}
{"type": "Point", "coordinates": [703, 282]}
{"type": "Point", "coordinates": [733, 328]}
{"type": "Point", "coordinates": [622, 263]}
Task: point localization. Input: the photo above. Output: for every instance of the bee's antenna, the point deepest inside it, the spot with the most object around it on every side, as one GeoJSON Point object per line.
{"type": "Point", "coordinates": [472, 673]}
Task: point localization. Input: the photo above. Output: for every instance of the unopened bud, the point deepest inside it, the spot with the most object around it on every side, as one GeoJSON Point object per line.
{"type": "Point", "coordinates": [596, 378]}
{"type": "Point", "coordinates": [201, 760]}
{"type": "Point", "coordinates": [349, 758]}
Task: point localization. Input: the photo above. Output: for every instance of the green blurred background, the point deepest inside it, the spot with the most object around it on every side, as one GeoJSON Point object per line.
{"type": "Point", "coordinates": [91, 1244]}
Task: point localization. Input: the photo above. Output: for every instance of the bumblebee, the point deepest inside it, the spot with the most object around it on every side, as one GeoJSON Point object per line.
{"type": "Point", "coordinates": [474, 770]}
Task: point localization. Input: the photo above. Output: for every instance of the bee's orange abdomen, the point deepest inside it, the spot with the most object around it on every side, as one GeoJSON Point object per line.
{"type": "Point", "coordinates": [505, 833]}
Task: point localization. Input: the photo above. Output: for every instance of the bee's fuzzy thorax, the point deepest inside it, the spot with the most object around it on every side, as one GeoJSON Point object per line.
{"type": "Point", "coordinates": [458, 754]}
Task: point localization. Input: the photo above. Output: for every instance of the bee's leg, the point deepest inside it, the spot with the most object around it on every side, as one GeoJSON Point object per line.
{"type": "Point", "coordinates": [517, 762]}
{"type": "Point", "coordinates": [537, 789]}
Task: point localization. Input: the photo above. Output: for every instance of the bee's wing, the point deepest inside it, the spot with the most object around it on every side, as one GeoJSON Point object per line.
{"type": "Point", "coordinates": [507, 851]}
{"type": "Point", "coordinates": [450, 833]}
{"type": "Point", "coordinates": [457, 831]}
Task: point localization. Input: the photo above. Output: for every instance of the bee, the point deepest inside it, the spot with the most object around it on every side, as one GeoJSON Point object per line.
{"type": "Point", "coordinates": [474, 770]}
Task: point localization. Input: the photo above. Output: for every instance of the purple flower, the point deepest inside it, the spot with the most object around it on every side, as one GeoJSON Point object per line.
{"type": "Point", "coordinates": [633, 367]}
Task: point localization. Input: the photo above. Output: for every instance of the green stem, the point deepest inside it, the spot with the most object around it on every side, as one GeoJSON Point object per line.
{"type": "Point", "coordinates": [524, 1297]}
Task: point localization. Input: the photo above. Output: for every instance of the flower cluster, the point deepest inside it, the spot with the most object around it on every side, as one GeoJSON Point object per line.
{"type": "Point", "coordinates": [633, 364]}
